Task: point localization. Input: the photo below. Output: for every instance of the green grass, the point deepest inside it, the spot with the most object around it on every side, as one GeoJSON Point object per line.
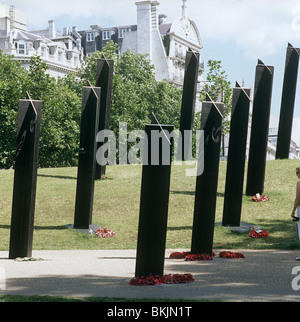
{"type": "Point", "coordinates": [116, 206]}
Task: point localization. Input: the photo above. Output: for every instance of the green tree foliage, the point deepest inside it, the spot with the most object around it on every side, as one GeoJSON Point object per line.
{"type": "Point", "coordinates": [219, 89]}
{"type": "Point", "coordinates": [135, 95]}
{"type": "Point", "coordinates": [87, 72]}
{"type": "Point", "coordinates": [12, 88]}
{"type": "Point", "coordinates": [60, 114]}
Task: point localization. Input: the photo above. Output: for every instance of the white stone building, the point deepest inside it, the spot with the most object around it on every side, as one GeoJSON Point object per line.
{"type": "Point", "coordinates": [62, 52]}
{"type": "Point", "coordinates": [165, 43]}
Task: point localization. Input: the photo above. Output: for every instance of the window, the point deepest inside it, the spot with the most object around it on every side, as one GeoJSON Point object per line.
{"type": "Point", "coordinates": [42, 51]}
{"type": "Point", "coordinates": [106, 35]}
{"type": "Point", "coordinates": [21, 50]}
{"type": "Point", "coordinates": [59, 56]}
{"type": "Point", "coordinates": [90, 36]}
{"type": "Point", "coordinates": [176, 50]}
{"type": "Point", "coordinates": [122, 32]}
{"type": "Point", "coordinates": [75, 60]}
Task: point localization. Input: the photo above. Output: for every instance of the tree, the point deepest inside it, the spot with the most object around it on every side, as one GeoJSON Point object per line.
{"type": "Point", "coordinates": [87, 71]}
{"type": "Point", "coordinates": [60, 127]}
{"type": "Point", "coordinates": [219, 89]}
{"type": "Point", "coordinates": [12, 88]}
{"type": "Point", "coordinates": [60, 116]}
{"type": "Point", "coordinates": [39, 84]}
{"type": "Point", "coordinates": [136, 94]}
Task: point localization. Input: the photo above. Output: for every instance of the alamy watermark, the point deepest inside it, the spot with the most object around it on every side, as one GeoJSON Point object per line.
{"type": "Point", "coordinates": [296, 279]}
{"type": "Point", "coordinates": [134, 148]}
{"type": "Point", "coordinates": [2, 279]}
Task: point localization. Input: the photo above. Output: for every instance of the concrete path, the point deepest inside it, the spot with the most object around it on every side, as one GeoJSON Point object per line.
{"type": "Point", "coordinates": [261, 276]}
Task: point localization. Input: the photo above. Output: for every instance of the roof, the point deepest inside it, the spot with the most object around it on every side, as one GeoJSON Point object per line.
{"type": "Point", "coordinates": [24, 35]}
{"type": "Point", "coordinates": [165, 29]}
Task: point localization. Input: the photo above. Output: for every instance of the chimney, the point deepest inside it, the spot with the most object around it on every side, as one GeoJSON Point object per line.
{"type": "Point", "coordinates": [65, 31]}
{"type": "Point", "coordinates": [162, 19]}
{"type": "Point", "coordinates": [52, 31]}
{"type": "Point", "coordinates": [147, 21]}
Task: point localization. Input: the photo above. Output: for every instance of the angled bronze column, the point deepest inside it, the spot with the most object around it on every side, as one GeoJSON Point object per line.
{"type": "Point", "coordinates": [207, 183]}
{"type": "Point", "coordinates": [104, 80]}
{"type": "Point", "coordinates": [236, 157]}
{"type": "Point", "coordinates": [260, 129]}
{"type": "Point", "coordinates": [87, 158]}
{"type": "Point", "coordinates": [188, 103]}
{"type": "Point", "coordinates": [26, 165]}
{"type": "Point", "coordinates": [288, 103]}
{"type": "Point", "coordinates": [154, 202]}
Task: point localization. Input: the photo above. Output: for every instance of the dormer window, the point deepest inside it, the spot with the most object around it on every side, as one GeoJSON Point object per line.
{"type": "Point", "coordinates": [90, 36]}
{"type": "Point", "coordinates": [42, 51]}
{"type": "Point", "coordinates": [59, 56]}
{"type": "Point", "coordinates": [20, 49]}
{"type": "Point", "coordinates": [75, 60]}
{"type": "Point", "coordinates": [106, 35]}
{"type": "Point", "coordinates": [122, 32]}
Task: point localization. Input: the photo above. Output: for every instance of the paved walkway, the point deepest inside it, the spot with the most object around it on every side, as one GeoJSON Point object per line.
{"type": "Point", "coordinates": [261, 276]}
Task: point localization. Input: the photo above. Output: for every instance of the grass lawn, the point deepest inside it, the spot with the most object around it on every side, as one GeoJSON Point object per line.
{"type": "Point", "coordinates": [116, 206]}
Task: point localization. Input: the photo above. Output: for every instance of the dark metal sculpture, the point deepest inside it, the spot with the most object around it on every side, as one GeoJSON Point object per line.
{"type": "Point", "coordinates": [87, 158]}
{"type": "Point", "coordinates": [188, 104]}
{"type": "Point", "coordinates": [236, 157]}
{"type": "Point", "coordinates": [259, 129]}
{"type": "Point", "coordinates": [288, 103]}
{"type": "Point", "coordinates": [26, 165]}
{"type": "Point", "coordinates": [154, 202]}
{"type": "Point", "coordinates": [104, 80]}
{"type": "Point", "coordinates": [207, 183]}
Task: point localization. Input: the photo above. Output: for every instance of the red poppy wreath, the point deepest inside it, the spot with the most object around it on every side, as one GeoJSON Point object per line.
{"type": "Point", "coordinates": [189, 257]}
{"type": "Point", "coordinates": [258, 234]}
{"type": "Point", "coordinates": [105, 232]}
{"type": "Point", "coordinates": [159, 280]}
{"type": "Point", "coordinates": [260, 198]}
{"type": "Point", "coordinates": [230, 255]}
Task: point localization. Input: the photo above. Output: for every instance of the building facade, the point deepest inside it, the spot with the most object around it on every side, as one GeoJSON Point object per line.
{"type": "Point", "coordinates": [165, 43]}
{"type": "Point", "coordinates": [62, 52]}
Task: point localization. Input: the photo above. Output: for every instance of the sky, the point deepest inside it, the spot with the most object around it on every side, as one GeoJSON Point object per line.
{"type": "Point", "coordinates": [236, 32]}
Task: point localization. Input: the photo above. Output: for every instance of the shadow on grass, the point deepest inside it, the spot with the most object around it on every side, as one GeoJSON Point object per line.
{"type": "Point", "coordinates": [192, 193]}
{"type": "Point", "coordinates": [56, 177]}
{"type": "Point", "coordinates": [180, 228]}
{"type": "Point", "coordinates": [39, 227]}
{"type": "Point", "coordinates": [187, 193]}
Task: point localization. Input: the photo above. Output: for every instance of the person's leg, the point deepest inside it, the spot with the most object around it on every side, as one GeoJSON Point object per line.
{"type": "Point", "coordinates": [298, 214]}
